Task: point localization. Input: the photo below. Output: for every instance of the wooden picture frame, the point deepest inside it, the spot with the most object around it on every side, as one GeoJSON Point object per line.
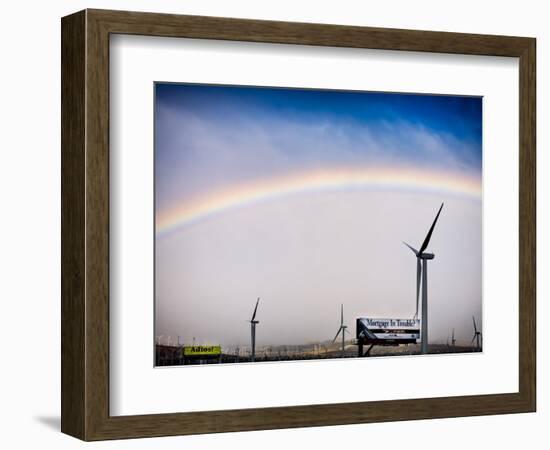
{"type": "Point", "coordinates": [85, 224]}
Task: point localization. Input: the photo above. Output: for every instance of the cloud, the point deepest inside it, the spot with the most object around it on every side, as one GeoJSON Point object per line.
{"type": "Point", "coordinates": [308, 254]}
{"type": "Point", "coordinates": [197, 154]}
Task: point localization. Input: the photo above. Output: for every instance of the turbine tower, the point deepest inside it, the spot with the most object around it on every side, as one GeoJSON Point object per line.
{"type": "Point", "coordinates": [253, 331]}
{"type": "Point", "coordinates": [453, 340]}
{"type": "Point", "coordinates": [477, 335]}
{"type": "Point", "coordinates": [422, 271]}
{"type": "Point", "coordinates": [343, 329]}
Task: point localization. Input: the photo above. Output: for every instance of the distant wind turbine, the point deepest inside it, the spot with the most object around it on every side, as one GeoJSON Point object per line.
{"type": "Point", "coordinates": [477, 335]}
{"type": "Point", "coordinates": [453, 340]}
{"type": "Point", "coordinates": [343, 329]}
{"type": "Point", "coordinates": [422, 271]}
{"type": "Point", "coordinates": [253, 331]}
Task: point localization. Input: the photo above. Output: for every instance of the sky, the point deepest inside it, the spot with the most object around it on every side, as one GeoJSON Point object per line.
{"type": "Point", "coordinates": [303, 198]}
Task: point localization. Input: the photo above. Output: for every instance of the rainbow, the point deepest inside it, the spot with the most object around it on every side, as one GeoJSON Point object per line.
{"type": "Point", "coordinates": [337, 179]}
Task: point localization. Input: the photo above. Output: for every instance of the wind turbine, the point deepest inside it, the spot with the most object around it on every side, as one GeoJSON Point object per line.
{"type": "Point", "coordinates": [422, 271]}
{"type": "Point", "coordinates": [253, 331]}
{"type": "Point", "coordinates": [342, 329]}
{"type": "Point", "coordinates": [477, 335]}
{"type": "Point", "coordinates": [453, 340]}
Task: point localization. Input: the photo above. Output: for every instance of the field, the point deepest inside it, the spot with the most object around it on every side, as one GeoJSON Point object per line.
{"type": "Point", "coordinates": [172, 355]}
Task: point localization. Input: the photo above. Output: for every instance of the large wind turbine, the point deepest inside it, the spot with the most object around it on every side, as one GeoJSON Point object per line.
{"type": "Point", "coordinates": [253, 331]}
{"type": "Point", "coordinates": [422, 271]}
{"type": "Point", "coordinates": [341, 329]}
{"type": "Point", "coordinates": [477, 335]}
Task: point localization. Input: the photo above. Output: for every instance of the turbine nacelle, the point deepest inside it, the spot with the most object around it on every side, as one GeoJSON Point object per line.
{"type": "Point", "coordinates": [419, 255]}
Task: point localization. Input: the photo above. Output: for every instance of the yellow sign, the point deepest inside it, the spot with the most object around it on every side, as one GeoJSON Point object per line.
{"type": "Point", "coordinates": [202, 350]}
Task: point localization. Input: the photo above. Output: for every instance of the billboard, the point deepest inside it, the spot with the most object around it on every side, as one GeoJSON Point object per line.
{"type": "Point", "coordinates": [202, 350]}
{"type": "Point", "coordinates": [388, 331]}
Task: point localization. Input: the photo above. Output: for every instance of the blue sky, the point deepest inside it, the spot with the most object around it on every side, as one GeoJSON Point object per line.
{"type": "Point", "coordinates": [459, 116]}
{"type": "Point", "coordinates": [220, 135]}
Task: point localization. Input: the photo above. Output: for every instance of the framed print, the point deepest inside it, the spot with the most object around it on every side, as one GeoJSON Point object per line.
{"type": "Point", "coordinates": [254, 209]}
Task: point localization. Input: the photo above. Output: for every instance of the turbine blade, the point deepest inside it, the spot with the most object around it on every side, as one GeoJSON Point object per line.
{"type": "Point", "coordinates": [339, 329]}
{"type": "Point", "coordinates": [475, 328]}
{"type": "Point", "coordinates": [418, 275]}
{"type": "Point", "coordinates": [415, 251]}
{"type": "Point", "coordinates": [341, 314]}
{"type": "Point", "coordinates": [255, 309]}
{"type": "Point", "coordinates": [473, 339]}
{"type": "Point", "coordinates": [429, 235]}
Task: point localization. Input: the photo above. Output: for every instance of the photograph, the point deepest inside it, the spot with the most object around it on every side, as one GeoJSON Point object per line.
{"type": "Point", "coordinates": [296, 223]}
